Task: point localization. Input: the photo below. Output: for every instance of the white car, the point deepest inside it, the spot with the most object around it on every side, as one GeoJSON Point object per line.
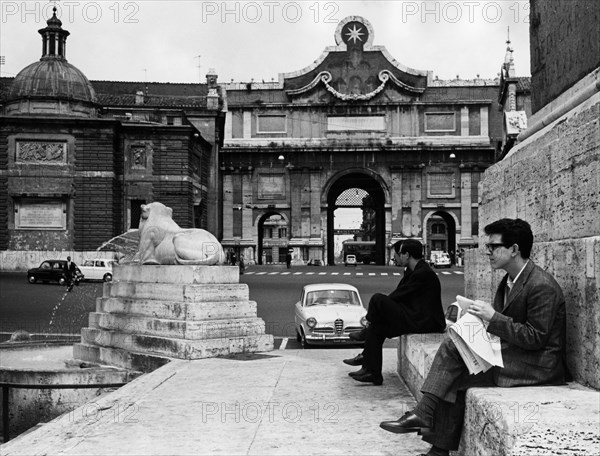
{"type": "Point", "coordinates": [440, 259]}
{"type": "Point", "coordinates": [327, 313]}
{"type": "Point", "coordinates": [350, 260]}
{"type": "Point", "coordinates": [98, 269]}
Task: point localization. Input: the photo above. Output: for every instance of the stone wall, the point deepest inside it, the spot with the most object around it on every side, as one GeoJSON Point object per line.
{"type": "Point", "coordinates": [552, 180]}
{"type": "Point", "coordinates": [565, 45]}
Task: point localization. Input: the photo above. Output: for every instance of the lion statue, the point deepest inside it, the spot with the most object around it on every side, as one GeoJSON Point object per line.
{"type": "Point", "coordinates": [162, 241]}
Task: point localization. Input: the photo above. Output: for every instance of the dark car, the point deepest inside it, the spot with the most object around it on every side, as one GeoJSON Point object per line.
{"type": "Point", "coordinates": [52, 271]}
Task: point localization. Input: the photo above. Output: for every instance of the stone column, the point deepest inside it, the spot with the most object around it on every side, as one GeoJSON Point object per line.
{"type": "Point", "coordinates": [228, 206]}
{"type": "Point", "coordinates": [228, 126]}
{"type": "Point", "coordinates": [483, 116]}
{"type": "Point", "coordinates": [396, 202]}
{"type": "Point", "coordinates": [315, 205]}
{"type": "Point", "coordinates": [295, 205]}
{"type": "Point", "coordinates": [247, 124]}
{"type": "Point", "coordinates": [247, 228]}
{"type": "Point", "coordinates": [466, 235]}
{"type": "Point", "coordinates": [464, 121]}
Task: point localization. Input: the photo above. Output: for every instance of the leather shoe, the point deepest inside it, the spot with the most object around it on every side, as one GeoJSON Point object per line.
{"type": "Point", "coordinates": [361, 371]}
{"type": "Point", "coordinates": [369, 378]}
{"type": "Point", "coordinates": [356, 361]}
{"type": "Point", "coordinates": [409, 422]}
{"type": "Point", "coordinates": [358, 336]}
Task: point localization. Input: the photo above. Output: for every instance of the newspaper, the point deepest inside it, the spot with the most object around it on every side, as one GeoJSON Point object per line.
{"type": "Point", "coordinates": [479, 349]}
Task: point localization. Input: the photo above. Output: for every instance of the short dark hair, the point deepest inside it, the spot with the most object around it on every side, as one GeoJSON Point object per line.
{"type": "Point", "coordinates": [513, 231]}
{"type": "Point", "coordinates": [411, 246]}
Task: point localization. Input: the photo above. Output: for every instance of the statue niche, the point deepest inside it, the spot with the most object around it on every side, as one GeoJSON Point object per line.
{"type": "Point", "coordinates": [162, 241]}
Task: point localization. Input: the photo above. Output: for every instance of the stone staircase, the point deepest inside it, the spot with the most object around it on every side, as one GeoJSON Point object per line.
{"type": "Point", "coordinates": [151, 314]}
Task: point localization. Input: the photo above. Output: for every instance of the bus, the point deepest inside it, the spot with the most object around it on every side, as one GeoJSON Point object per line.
{"type": "Point", "coordinates": [363, 250]}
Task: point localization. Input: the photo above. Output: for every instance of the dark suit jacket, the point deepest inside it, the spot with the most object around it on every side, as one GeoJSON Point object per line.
{"type": "Point", "coordinates": [70, 269]}
{"type": "Point", "coordinates": [532, 329]}
{"type": "Point", "coordinates": [419, 301]}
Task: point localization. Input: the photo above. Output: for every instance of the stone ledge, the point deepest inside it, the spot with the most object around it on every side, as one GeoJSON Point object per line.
{"type": "Point", "coordinates": [523, 421]}
{"type": "Point", "coordinates": [177, 274]}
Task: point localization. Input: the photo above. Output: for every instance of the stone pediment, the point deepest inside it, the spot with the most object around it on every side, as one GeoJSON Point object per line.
{"type": "Point", "coordinates": [355, 70]}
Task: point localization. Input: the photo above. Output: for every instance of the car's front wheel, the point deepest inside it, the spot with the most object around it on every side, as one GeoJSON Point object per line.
{"type": "Point", "coordinates": [107, 277]}
{"type": "Point", "coordinates": [298, 337]}
{"type": "Point", "coordinates": [31, 279]}
{"type": "Point", "coordinates": [62, 281]}
{"type": "Point", "coordinates": [305, 344]}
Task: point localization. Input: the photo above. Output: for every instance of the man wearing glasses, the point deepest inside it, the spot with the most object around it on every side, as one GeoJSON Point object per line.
{"type": "Point", "coordinates": [528, 314]}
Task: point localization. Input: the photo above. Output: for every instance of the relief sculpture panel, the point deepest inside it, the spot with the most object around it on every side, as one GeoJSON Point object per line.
{"type": "Point", "coordinates": [41, 152]}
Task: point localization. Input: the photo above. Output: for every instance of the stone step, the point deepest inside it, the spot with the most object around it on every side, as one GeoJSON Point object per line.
{"type": "Point", "coordinates": [178, 292]}
{"type": "Point", "coordinates": [136, 362]}
{"type": "Point", "coordinates": [176, 274]}
{"type": "Point", "coordinates": [178, 310]}
{"type": "Point", "coordinates": [178, 348]}
{"type": "Point", "coordinates": [203, 329]}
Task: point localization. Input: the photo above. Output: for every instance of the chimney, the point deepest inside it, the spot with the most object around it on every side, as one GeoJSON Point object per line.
{"type": "Point", "coordinates": [139, 97]}
{"type": "Point", "coordinates": [212, 98]}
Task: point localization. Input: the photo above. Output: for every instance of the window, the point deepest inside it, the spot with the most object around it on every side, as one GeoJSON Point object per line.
{"type": "Point", "coordinates": [173, 120]}
{"type": "Point", "coordinates": [440, 122]}
{"type": "Point", "coordinates": [271, 124]}
{"type": "Point", "coordinates": [282, 233]}
{"type": "Point", "coordinates": [438, 228]}
{"type": "Point", "coordinates": [136, 212]}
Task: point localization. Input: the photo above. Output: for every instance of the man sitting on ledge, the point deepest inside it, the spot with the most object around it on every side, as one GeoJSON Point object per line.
{"type": "Point", "coordinates": [528, 314]}
{"type": "Point", "coordinates": [415, 306]}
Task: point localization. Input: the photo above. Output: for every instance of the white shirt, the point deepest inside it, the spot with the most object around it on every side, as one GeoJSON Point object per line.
{"type": "Point", "coordinates": [510, 282]}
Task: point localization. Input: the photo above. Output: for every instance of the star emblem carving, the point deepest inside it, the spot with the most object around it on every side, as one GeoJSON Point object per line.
{"type": "Point", "coordinates": [354, 34]}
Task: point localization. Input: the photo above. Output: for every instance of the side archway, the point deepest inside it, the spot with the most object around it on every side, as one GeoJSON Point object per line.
{"type": "Point", "coordinates": [273, 237]}
{"type": "Point", "coordinates": [440, 232]}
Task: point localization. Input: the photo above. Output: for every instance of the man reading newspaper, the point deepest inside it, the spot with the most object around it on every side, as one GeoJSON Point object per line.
{"type": "Point", "coordinates": [528, 317]}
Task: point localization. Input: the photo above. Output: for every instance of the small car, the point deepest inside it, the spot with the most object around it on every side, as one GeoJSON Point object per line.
{"type": "Point", "coordinates": [327, 312]}
{"type": "Point", "coordinates": [350, 260]}
{"type": "Point", "coordinates": [98, 269]}
{"type": "Point", "coordinates": [52, 271]}
{"type": "Point", "coordinates": [440, 260]}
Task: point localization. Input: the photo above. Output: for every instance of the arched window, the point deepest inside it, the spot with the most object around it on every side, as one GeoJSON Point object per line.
{"type": "Point", "coordinates": [438, 228]}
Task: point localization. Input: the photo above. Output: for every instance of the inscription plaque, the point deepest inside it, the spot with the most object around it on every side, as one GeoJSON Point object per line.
{"type": "Point", "coordinates": [40, 215]}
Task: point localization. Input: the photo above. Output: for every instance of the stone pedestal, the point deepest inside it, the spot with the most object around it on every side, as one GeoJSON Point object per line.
{"type": "Point", "coordinates": [149, 314]}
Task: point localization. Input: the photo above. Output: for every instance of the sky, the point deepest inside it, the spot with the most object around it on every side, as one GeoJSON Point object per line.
{"type": "Point", "coordinates": [179, 41]}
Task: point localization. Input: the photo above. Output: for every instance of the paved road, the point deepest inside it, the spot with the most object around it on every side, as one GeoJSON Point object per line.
{"type": "Point", "coordinates": [48, 309]}
{"type": "Point", "coordinates": [276, 289]}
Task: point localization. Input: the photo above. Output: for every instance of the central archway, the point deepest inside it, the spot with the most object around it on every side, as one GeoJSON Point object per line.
{"type": "Point", "coordinates": [371, 201]}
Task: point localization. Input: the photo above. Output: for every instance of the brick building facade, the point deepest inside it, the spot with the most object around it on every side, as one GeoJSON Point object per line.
{"type": "Point", "coordinates": [77, 159]}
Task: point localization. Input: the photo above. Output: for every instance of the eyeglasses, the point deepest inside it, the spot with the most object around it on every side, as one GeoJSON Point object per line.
{"type": "Point", "coordinates": [491, 247]}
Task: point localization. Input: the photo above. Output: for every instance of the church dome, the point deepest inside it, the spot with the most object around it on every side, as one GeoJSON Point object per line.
{"type": "Point", "coordinates": [52, 85]}
{"type": "Point", "coordinates": [52, 78]}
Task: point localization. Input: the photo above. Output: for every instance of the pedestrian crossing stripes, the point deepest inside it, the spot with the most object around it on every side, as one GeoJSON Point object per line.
{"type": "Point", "coordinates": [359, 274]}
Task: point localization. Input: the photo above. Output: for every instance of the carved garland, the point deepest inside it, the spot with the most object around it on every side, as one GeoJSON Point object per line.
{"type": "Point", "coordinates": [325, 77]}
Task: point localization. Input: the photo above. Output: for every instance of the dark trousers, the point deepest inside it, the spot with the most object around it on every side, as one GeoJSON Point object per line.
{"type": "Point", "coordinates": [385, 321]}
{"type": "Point", "coordinates": [449, 379]}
